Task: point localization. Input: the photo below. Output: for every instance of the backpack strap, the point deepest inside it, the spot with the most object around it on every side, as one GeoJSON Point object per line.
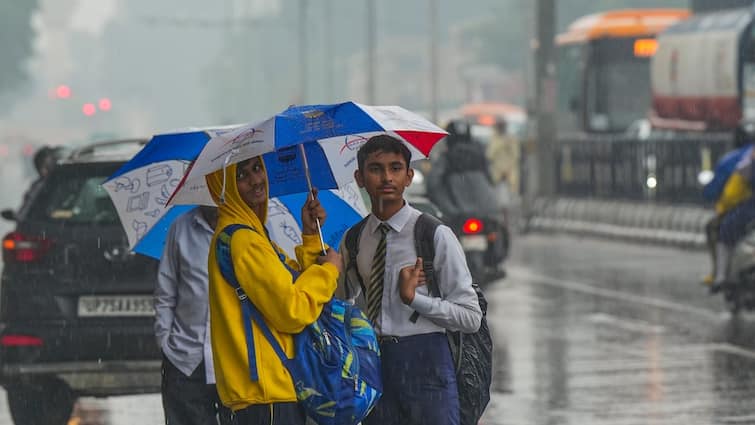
{"type": "Point", "coordinates": [424, 244]}
{"type": "Point", "coordinates": [249, 311]}
{"type": "Point", "coordinates": [351, 242]}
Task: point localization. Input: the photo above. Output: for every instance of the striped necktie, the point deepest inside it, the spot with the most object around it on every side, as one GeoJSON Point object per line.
{"type": "Point", "coordinates": [377, 275]}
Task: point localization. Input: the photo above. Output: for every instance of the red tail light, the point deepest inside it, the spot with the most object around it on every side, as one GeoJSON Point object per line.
{"type": "Point", "coordinates": [19, 248]}
{"type": "Point", "coordinates": [472, 226]}
{"type": "Point", "coordinates": [20, 341]}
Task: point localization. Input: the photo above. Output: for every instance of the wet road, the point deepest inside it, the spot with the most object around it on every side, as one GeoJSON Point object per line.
{"type": "Point", "coordinates": [598, 332]}
{"type": "Point", "coordinates": [588, 332]}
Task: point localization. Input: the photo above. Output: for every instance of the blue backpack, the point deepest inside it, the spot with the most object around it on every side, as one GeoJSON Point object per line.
{"type": "Point", "coordinates": [336, 366]}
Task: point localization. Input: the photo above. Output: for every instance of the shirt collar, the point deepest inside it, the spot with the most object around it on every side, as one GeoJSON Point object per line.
{"type": "Point", "coordinates": [198, 220]}
{"type": "Point", "coordinates": [395, 223]}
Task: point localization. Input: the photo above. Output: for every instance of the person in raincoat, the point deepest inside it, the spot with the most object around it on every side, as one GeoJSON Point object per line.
{"type": "Point", "coordinates": [287, 304]}
{"type": "Point", "coordinates": [727, 189]}
{"type": "Point", "coordinates": [504, 156]}
{"type": "Point", "coordinates": [725, 193]}
{"type": "Point", "coordinates": [737, 211]}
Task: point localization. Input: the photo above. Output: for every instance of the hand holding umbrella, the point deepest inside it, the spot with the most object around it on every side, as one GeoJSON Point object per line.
{"type": "Point", "coordinates": [312, 217]}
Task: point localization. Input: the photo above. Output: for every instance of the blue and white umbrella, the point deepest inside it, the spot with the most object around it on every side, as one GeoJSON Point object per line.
{"type": "Point", "coordinates": [140, 190]}
{"type": "Point", "coordinates": [304, 146]}
{"type": "Point", "coordinates": [330, 134]}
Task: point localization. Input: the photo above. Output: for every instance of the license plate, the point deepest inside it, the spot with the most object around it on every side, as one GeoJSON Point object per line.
{"type": "Point", "coordinates": [116, 306]}
{"type": "Point", "coordinates": [474, 243]}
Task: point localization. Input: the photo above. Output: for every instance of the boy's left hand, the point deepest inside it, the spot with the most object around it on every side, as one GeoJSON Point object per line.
{"type": "Point", "coordinates": [409, 279]}
{"type": "Point", "coordinates": [311, 211]}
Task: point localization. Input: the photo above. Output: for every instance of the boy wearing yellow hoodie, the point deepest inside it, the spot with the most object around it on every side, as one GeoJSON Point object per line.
{"type": "Point", "coordinates": [287, 304]}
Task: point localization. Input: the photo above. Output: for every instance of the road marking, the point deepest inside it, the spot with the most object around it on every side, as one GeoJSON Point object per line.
{"type": "Point", "coordinates": [523, 273]}
{"type": "Point", "coordinates": [527, 275]}
{"type": "Point", "coordinates": [734, 349]}
{"type": "Point", "coordinates": [624, 324]}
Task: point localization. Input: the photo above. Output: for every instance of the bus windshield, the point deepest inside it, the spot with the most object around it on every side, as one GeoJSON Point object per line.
{"type": "Point", "coordinates": [617, 87]}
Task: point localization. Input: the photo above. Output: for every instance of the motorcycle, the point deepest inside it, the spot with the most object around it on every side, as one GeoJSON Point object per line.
{"type": "Point", "coordinates": [485, 241]}
{"type": "Point", "coordinates": [739, 288]}
{"type": "Point", "coordinates": [480, 224]}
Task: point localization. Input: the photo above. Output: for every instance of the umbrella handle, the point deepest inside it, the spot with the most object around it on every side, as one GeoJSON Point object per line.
{"type": "Point", "coordinates": [310, 194]}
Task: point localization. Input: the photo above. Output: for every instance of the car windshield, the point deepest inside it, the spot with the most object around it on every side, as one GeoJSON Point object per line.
{"type": "Point", "coordinates": [76, 197]}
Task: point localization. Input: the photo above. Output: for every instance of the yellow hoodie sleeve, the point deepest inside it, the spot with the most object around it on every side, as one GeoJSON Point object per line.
{"type": "Point", "coordinates": [309, 250]}
{"type": "Point", "coordinates": [286, 306]}
{"type": "Point", "coordinates": [306, 253]}
{"type": "Point", "coordinates": [735, 191]}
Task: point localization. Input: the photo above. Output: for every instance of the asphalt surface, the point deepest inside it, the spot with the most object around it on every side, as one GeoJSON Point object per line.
{"type": "Point", "coordinates": [590, 331]}
{"type": "Point", "coordinates": [587, 331]}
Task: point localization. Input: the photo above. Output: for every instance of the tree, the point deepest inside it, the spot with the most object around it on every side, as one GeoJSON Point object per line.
{"type": "Point", "coordinates": [16, 36]}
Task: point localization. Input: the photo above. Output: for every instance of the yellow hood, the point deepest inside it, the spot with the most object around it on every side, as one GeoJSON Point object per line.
{"type": "Point", "coordinates": [233, 209]}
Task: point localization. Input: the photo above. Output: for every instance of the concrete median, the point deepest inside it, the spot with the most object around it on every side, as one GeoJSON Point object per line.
{"type": "Point", "coordinates": [676, 225]}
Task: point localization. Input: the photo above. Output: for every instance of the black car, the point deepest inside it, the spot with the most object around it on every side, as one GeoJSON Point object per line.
{"type": "Point", "coordinates": [76, 305]}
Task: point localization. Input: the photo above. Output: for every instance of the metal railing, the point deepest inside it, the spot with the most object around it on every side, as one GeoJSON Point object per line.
{"type": "Point", "coordinates": [661, 169]}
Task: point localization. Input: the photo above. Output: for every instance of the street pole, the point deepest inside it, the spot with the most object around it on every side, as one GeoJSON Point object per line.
{"type": "Point", "coordinates": [329, 59]}
{"type": "Point", "coordinates": [545, 101]}
{"type": "Point", "coordinates": [303, 53]}
{"type": "Point", "coordinates": [433, 12]}
{"type": "Point", "coordinates": [371, 34]}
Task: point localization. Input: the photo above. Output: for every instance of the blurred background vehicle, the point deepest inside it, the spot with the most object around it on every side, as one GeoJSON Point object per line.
{"type": "Point", "coordinates": [703, 73]}
{"type": "Point", "coordinates": [603, 68]}
{"type": "Point", "coordinates": [76, 304]}
{"type": "Point", "coordinates": [483, 116]}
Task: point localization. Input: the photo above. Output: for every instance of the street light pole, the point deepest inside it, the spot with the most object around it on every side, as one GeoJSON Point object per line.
{"type": "Point", "coordinates": [433, 5]}
{"type": "Point", "coordinates": [329, 59]}
{"type": "Point", "coordinates": [371, 34]}
{"type": "Point", "coordinates": [303, 53]}
{"type": "Point", "coordinates": [545, 100]}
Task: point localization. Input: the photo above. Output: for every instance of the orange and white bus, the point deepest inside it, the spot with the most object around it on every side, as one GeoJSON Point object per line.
{"type": "Point", "coordinates": [604, 68]}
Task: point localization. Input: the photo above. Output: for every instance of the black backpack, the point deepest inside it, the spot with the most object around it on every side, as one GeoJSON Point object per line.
{"type": "Point", "coordinates": [472, 352]}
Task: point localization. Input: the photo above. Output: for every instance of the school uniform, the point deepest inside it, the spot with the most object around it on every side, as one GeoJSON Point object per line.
{"type": "Point", "coordinates": [419, 380]}
{"type": "Point", "coordinates": [182, 326]}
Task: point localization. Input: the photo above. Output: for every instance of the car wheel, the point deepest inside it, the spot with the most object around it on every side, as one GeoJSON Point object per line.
{"type": "Point", "coordinates": [41, 402]}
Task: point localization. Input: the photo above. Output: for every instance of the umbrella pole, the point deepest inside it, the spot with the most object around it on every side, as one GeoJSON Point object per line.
{"type": "Point", "coordinates": [309, 186]}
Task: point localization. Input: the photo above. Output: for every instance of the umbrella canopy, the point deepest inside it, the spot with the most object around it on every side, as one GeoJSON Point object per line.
{"type": "Point", "coordinates": [167, 177]}
{"type": "Point", "coordinates": [331, 135]}
{"type": "Point", "coordinates": [141, 188]}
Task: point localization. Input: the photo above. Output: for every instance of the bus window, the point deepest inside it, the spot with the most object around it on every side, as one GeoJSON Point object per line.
{"type": "Point", "coordinates": [570, 66]}
{"type": "Point", "coordinates": [618, 86]}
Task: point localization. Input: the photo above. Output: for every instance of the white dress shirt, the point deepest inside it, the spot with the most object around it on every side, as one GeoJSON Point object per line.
{"type": "Point", "coordinates": [182, 320]}
{"type": "Point", "coordinates": [458, 309]}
